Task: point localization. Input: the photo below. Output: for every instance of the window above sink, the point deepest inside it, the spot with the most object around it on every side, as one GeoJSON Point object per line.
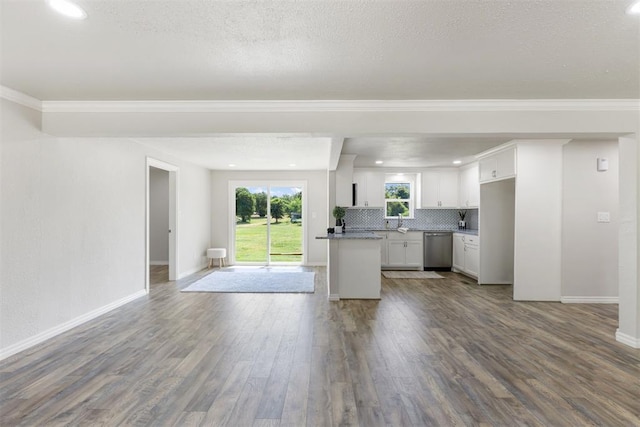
{"type": "Point", "coordinates": [400, 195]}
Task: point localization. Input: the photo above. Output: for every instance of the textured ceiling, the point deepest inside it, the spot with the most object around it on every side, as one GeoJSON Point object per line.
{"type": "Point", "coordinates": [417, 151]}
{"type": "Point", "coordinates": [323, 49]}
{"type": "Point", "coordinates": [248, 152]}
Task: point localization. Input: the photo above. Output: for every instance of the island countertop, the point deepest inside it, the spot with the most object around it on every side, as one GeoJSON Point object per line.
{"type": "Point", "coordinates": [351, 235]}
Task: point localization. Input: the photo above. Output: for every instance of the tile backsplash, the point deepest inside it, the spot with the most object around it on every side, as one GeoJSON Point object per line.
{"type": "Point", "coordinates": [425, 219]}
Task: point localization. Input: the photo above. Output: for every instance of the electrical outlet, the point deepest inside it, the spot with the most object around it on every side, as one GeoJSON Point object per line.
{"type": "Point", "coordinates": [604, 217]}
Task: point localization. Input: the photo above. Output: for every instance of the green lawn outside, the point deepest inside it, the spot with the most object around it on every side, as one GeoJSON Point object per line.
{"type": "Point", "coordinates": [251, 240]}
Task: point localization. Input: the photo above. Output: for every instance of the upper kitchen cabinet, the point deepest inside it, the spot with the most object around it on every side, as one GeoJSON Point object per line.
{"type": "Point", "coordinates": [369, 188]}
{"type": "Point", "coordinates": [440, 188]}
{"type": "Point", "coordinates": [469, 191]}
{"type": "Point", "coordinates": [497, 165]}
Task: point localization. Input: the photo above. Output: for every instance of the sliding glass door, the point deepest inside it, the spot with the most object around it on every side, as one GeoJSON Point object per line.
{"type": "Point", "coordinates": [268, 223]}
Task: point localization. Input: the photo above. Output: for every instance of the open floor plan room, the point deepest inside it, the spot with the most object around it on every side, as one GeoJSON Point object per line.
{"type": "Point", "coordinates": [429, 352]}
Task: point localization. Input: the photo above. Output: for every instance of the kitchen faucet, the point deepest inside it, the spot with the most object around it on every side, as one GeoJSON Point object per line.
{"type": "Point", "coordinates": [399, 220]}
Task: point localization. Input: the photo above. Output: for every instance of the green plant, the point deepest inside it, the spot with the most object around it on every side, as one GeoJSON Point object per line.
{"type": "Point", "coordinates": [245, 204]}
{"type": "Point", "coordinates": [277, 208]}
{"type": "Point", "coordinates": [462, 215]}
{"type": "Point", "coordinates": [339, 212]}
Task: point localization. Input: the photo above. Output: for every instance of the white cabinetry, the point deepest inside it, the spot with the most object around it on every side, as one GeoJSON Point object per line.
{"type": "Point", "coordinates": [384, 257]}
{"type": "Point", "coordinates": [440, 189]}
{"type": "Point", "coordinates": [404, 250]}
{"type": "Point", "coordinates": [457, 263]}
{"type": "Point", "coordinates": [370, 188]}
{"type": "Point", "coordinates": [469, 192]}
{"type": "Point", "coordinates": [498, 165]}
{"type": "Point", "coordinates": [466, 254]}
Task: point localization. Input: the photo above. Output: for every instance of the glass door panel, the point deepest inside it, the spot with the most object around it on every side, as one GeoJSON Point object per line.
{"type": "Point", "coordinates": [251, 225]}
{"type": "Point", "coordinates": [285, 228]}
{"type": "Point", "coordinates": [268, 226]}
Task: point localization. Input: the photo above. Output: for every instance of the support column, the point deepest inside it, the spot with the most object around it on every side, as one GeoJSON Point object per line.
{"type": "Point", "coordinates": [629, 257]}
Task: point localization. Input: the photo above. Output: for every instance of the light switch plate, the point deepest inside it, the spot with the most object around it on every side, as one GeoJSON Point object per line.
{"type": "Point", "coordinates": [604, 217]}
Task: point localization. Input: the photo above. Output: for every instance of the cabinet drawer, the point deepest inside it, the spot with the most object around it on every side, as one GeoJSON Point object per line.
{"type": "Point", "coordinates": [471, 240]}
{"type": "Point", "coordinates": [409, 235]}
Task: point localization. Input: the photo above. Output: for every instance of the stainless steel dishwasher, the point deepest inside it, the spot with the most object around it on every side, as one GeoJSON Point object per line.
{"type": "Point", "coordinates": [438, 250]}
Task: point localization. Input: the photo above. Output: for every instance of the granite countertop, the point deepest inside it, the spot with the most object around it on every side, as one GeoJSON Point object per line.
{"type": "Point", "coordinates": [472, 232]}
{"type": "Point", "coordinates": [359, 230]}
{"type": "Point", "coordinates": [359, 234]}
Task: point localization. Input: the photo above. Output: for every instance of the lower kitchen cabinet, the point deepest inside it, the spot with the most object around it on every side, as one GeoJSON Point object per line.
{"type": "Point", "coordinates": [466, 254]}
{"type": "Point", "coordinates": [403, 250]}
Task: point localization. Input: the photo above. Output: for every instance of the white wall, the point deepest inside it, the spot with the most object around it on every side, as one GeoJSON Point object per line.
{"type": "Point", "coordinates": [73, 226]}
{"type": "Point", "coordinates": [538, 222]}
{"type": "Point", "coordinates": [194, 216]}
{"type": "Point", "coordinates": [629, 262]}
{"type": "Point", "coordinates": [315, 222]}
{"type": "Point", "coordinates": [589, 248]}
{"type": "Point", "coordinates": [158, 216]}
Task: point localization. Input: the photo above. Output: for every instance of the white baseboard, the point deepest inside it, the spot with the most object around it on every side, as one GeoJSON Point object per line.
{"type": "Point", "coordinates": [57, 330]}
{"type": "Point", "coordinates": [334, 297]}
{"type": "Point", "coordinates": [627, 339]}
{"type": "Point", "coordinates": [193, 270]}
{"type": "Point", "coordinates": [589, 300]}
{"type": "Point", "coordinates": [158, 262]}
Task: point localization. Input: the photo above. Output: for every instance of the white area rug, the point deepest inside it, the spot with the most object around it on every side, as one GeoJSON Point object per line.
{"type": "Point", "coordinates": [411, 275]}
{"type": "Point", "coordinates": [255, 282]}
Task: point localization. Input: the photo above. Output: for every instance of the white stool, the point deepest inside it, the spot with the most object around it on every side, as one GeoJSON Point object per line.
{"type": "Point", "coordinates": [219, 253]}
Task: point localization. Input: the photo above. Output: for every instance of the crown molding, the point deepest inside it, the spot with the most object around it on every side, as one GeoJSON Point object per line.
{"type": "Point", "coordinates": [20, 98]}
{"type": "Point", "coordinates": [289, 106]}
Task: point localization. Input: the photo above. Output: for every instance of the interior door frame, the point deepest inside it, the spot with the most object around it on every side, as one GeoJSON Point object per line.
{"type": "Point", "coordinates": [265, 183]}
{"type": "Point", "coordinates": [174, 179]}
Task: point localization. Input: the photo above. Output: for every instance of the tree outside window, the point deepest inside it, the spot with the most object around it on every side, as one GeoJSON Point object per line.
{"type": "Point", "coordinates": [397, 199]}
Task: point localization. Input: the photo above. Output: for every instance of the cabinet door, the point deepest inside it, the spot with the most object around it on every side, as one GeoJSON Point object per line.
{"type": "Point", "coordinates": [413, 256]}
{"type": "Point", "coordinates": [375, 189]}
{"type": "Point", "coordinates": [396, 252]}
{"type": "Point", "coordinates": [458, 252]}
{"type": "Point", "coordinates": [472, 259]}
{"type": "Point", "coordinates": [488, 169]}
{"type": "Point", "coordinates": [359, 179]}
{"type": "Point", "coordinates": [506, 163]}
{"type": "Point", "coordinates": [429, 190]}
{"type": "Point", "coordinates": [469, 187]}
{"type": "Point", "coordinates": [384, 257]}
{"type": "Point", "coordinates": [448, 189]}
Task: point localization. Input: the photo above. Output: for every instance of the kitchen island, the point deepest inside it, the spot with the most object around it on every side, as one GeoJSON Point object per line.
{"type": "Point", "coordinates": [353, 267]}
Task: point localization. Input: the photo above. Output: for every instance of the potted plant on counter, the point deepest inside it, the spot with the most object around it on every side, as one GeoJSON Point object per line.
{"type": "Point", "coordinates": [462, 224]}
{"type": "Point", "coordinates": [339, 213]}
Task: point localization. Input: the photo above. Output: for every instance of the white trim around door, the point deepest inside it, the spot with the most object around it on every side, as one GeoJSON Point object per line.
{"type": "Point", "coordinates": [174, 180]}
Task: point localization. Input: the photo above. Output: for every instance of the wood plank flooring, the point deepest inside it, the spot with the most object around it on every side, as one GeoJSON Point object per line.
{"type": "Point", "coordinates": [431, 352]}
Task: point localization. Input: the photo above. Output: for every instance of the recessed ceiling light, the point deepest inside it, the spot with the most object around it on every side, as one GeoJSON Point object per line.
{"type": "Point", "coordinates": [634, 8]}
{"type": "Point", "coordinates": [379, 162]}
{"type": "Point", "coordinates": [457, 162]}
{"type": "Point", "coordinates": [232, 165]}
{"type": "Point", "coordinates": [292, 165]}
{"type": "Point", "coordinates": [67, 8]}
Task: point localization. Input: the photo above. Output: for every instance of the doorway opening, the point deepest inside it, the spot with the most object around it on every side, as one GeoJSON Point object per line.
{"type": "Point", "coordinates": [268, 223]}
{"type": "Point", "coordinates": [161, 252]}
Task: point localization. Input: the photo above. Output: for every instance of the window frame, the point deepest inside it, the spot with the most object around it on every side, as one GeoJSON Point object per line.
{"type": "Point", "coordinates": [401, 178]}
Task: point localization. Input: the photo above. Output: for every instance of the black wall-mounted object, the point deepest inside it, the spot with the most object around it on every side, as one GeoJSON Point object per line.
{"type": "Point", "coordinates": [354, 194]}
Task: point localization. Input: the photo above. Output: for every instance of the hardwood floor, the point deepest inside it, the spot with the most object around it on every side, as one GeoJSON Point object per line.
{"type": "Point", "coordinates": [438, 352]}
